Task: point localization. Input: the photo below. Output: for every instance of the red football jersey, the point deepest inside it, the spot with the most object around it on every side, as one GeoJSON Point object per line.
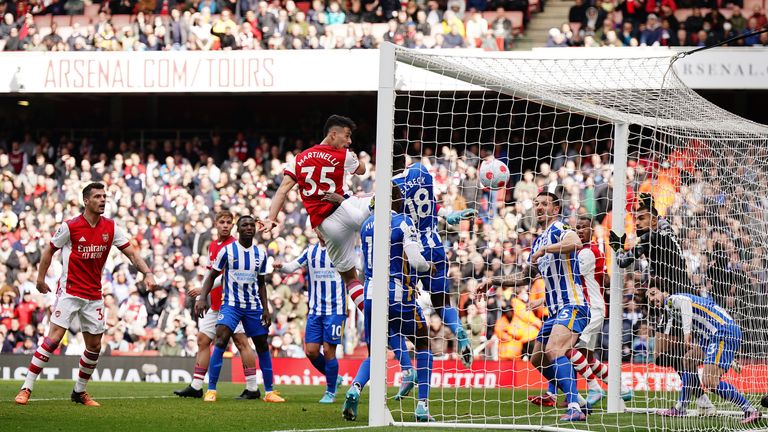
{"type": "Point", "coordinates": [592, 268]}
{"type": "Point", "coordinates": [213, 252]}
{"type": "Point", "coordinates": [84, 250]}
{"type": "Point", "coordinates": [319, 169]}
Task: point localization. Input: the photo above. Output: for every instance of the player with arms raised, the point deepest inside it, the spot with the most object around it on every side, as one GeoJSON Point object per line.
{"type": "Point", "coordinates": [317, 171]}
{"type": "Point", "coordinates": [553, 256]}
{"type": "Point", "coordinates": [405, 315]}
{"type": "Point", "coordinates": [416, 183]}
{"type": "Point", "coordinates": [719, 340]}
{"type": "Point", "coordinates": [244, 266]}
{"type": "Point", "coordinates": [207, 325]}
{"type": "Point", "coordinates": [85, 242]}
{"type": "Point", "coordinates": [327, 312]}
{"type": "Point", "coordinates": [592, 269]}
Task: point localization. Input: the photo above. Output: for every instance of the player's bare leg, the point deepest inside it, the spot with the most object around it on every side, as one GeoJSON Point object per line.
{"type": "Point", "coordinates": [88, 362]}
{"type": "Point", "coordinates": [223, 335]}
{"type": "Point", "coordinates": [202, 360]}
{"type": "Point", "coordinates": [248, 357]}
{"type": "Point", "coordinates": [39, 360]}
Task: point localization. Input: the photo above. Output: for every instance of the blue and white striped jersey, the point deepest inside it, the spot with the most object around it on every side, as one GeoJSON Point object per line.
{"type": "Point", "coordinates": [241, 267]}
{"type": "Point", "coordinates": [327, 293]}
{"type": "Point", "coordinates": [402, 278]}
{"type": "Point", "coordinates": [417, 186]}
{"type": "Point", "coordinates": [560, 272]}
{"type": "Point", "coordinates": [700, 314]}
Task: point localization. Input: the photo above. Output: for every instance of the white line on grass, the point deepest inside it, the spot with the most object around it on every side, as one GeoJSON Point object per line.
{"type": "Point", "coordinates": [326, 429]}
{"type": "Point", "coordinates": [106, 398]}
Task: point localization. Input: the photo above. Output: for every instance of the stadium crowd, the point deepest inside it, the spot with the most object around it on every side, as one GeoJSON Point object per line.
{"type": "Point", "coordinates": [165, 195]}
{"type": "Point", "coordinates": [660, 23]}
{"type": "Point", "coordinates": [248, 25]}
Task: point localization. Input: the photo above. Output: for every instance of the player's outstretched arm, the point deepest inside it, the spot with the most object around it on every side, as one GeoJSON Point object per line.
{"type": "Point", "coordinates": [201, 304]}
{"type": "Point", "coordinates": [452, 218]}
{"type": "Point", "coordinates": [42, 270]}
{"type": "Point", "coordinates": [522, 277]}
{"type": "Point", "coordinates": [277, 204]}
{"type": "Point", "coordinates": [133, 255]}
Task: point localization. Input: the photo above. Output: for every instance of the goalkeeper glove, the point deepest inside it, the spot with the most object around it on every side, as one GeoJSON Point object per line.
{"type": "Point", "coordinates": [616, 242]}
{"type": "Point", "coordinates": [456, 217]}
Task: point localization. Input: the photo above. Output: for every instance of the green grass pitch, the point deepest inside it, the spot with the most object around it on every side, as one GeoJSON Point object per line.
{"type": "Point", "coordinates": [138, 407]}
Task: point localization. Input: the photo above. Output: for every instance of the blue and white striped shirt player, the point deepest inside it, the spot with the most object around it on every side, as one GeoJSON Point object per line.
{"type": "Point", "coordinates": [559, 272]}
{"type": "Point", "coordinates": [327, 293]}
{"type": "Point", "coordinates": [240, 267]}
{"type": "Point", "coordinates": [700, 314]}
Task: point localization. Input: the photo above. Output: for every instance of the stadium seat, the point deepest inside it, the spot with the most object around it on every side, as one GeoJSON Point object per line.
{"type": "Point", "coordinates": [378, 30]}
{"type": "Point", "coordinates": [62, 20]}
{"type": "Point", "coordinates": [83, 20]}
{"type": "Point", "coordinates": [91, 10]}
{"type": "Point", "coordinates": [120, 21]}
{"type": "Point", "coordinates": [43, 20]}
{"type": "Point", "coordinates": [750, 4]}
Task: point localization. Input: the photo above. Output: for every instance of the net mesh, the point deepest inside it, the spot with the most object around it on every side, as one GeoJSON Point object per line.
{"type": "Point", "coordinates": [552, 121]}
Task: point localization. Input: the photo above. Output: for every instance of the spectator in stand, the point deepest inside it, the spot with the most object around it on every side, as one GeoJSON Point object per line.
{"type": "Point", "coordinates": [695, 22]}
{"type": "Point", "coordinates": [759, 15]}
{"type": "Point", "coordinates": [477, 27]}
{"type": "Point", "coordinates": [737, 20]}
{"type": "Point", "coordinates": [335, 14]}
{"type": "Point", "coordinates": [502, 30]}
{"type": "Point", "coordinates": [578, 12]}
{"type": "Point", "coordinates": [752, 25]}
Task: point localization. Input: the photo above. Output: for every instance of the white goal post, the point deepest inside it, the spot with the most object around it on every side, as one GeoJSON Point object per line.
{"type": "Point", "coordinates": [634, 108]}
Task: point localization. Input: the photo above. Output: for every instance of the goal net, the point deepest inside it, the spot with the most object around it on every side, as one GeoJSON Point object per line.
{"type": "Point", "coordinates": [605, 136]}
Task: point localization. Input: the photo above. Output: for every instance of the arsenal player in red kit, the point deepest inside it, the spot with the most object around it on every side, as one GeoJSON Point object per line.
{"type": "Point", "coordinates": [85, 242]}
{"type": "Point", "coordinates": [320, 172]}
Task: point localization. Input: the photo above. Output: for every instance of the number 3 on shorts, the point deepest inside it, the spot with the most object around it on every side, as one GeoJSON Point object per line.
{"type": "Point", "coordinates": [101, 314]}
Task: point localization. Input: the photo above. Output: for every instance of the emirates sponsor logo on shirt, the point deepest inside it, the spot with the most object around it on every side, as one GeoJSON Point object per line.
{"type": "Point", "coordinates": [92, 251]}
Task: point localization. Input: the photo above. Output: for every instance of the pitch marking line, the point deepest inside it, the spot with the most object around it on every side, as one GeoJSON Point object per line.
{"type": "Point", "coordinates": [106, 398]}
{"type": "Point", "coordinates": [324, 430]}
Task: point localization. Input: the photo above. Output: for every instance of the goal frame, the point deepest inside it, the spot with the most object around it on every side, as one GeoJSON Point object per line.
{"type": "Point", "coordinates": [379, 414]}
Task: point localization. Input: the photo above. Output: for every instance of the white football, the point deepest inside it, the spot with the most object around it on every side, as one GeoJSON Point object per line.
{"type": "Point", "coordinates": [494, 174]}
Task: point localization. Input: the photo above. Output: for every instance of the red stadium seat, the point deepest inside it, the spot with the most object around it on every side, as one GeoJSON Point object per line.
{"type": "Point", "coordinates": [120, 21]}
{"type": "Point", "coordinates": [62, 20]}
{"type": "Point", "coordinates": [749, 6]}
{"type": "Point", "coordinates": [91, 10]}
{"type": "Point", "coordinates": [83, 20]}
{"type": "Point", "coordinates": [43, 20]}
